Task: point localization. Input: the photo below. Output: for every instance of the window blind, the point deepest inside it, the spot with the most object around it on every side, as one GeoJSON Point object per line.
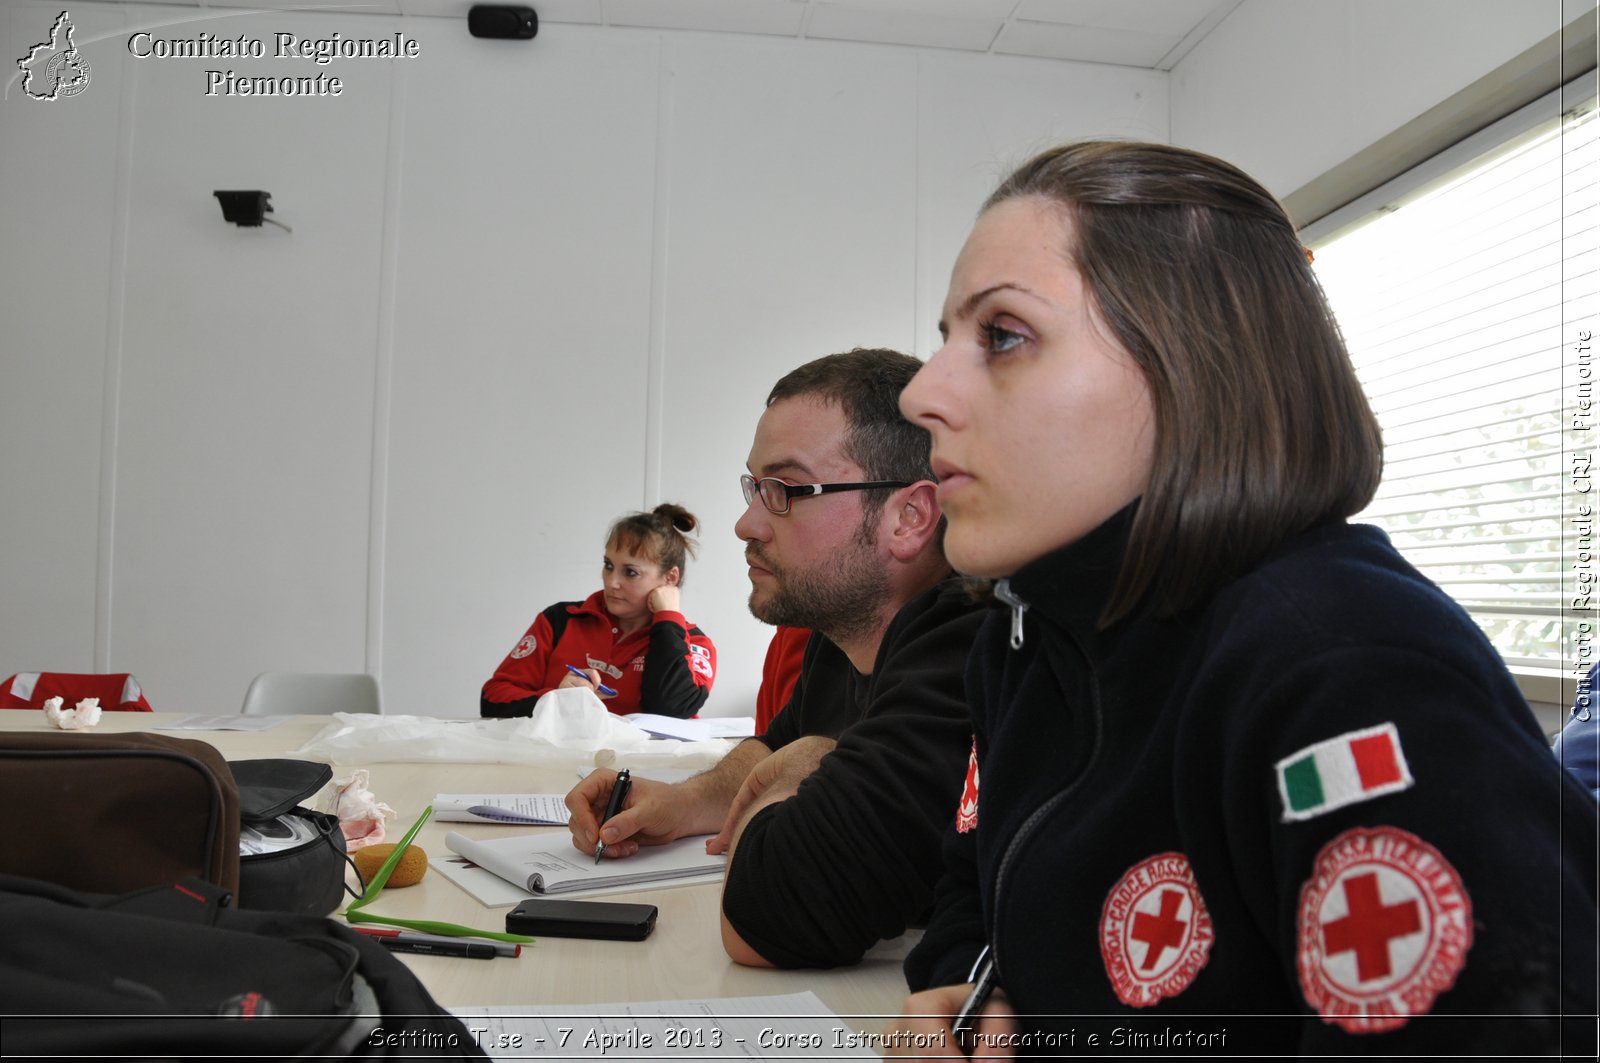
{"type": "Point", "coordinates": [1463, 298]}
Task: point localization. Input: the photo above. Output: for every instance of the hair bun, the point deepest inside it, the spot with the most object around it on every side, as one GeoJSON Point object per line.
{"type": "Point", "coordinates": [677, 516]}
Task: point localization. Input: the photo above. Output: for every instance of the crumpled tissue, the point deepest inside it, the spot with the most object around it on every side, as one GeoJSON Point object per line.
{"type": "Point", "coordinates": [566, 720]}
{"type": "Point", "coordinates": [80, 717]}
{"type": "Point", "coordinates": [360, 813]}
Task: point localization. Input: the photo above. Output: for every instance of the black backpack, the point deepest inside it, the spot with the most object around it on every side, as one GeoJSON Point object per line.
{"type": "Point", "coordinates": [173, 971]}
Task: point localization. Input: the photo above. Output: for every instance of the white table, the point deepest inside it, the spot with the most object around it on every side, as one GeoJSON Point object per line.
{"type": "Point", "coordinates": [682, 960]}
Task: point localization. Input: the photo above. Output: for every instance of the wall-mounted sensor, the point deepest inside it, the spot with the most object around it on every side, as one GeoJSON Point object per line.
{"type": "Point", "coordinates": [248, 208]}
{"type": "Point", "coordinates": [499, 20]}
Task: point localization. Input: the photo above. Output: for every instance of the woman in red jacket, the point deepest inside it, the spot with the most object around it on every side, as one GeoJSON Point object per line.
{"type": "Point", "coordinates": [628, 641]}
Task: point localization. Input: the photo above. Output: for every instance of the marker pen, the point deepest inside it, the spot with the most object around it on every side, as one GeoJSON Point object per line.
{"type": "Point", "coordinates": [471, 949]}
{"type": "Point", "coordinates": [501, 948]}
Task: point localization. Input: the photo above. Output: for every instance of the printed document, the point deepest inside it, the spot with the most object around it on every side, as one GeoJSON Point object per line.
{"type": "Point", "coordinates": [534, 810]}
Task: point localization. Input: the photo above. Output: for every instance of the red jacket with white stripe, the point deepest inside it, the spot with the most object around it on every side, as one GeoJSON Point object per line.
{"type": "Point", "coordinates": [666, 667]}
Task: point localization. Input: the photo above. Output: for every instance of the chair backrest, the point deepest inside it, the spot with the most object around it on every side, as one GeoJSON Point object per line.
{"type": "Point", "coordinates": [311, 693]}
{"type": "Point", "coordinates": [30, 690]}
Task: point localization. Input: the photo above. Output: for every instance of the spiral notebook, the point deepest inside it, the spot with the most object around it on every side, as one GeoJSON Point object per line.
{"type": "Point", "coordinates": [549, 864]}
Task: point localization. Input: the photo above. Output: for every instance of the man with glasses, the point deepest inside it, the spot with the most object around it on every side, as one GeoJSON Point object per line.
{"type": "Point", "coordinates": [832, 818]}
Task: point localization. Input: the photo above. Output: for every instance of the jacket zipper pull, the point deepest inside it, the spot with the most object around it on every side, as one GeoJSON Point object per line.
{"type": "Point", "coordinates": [1002, 590]}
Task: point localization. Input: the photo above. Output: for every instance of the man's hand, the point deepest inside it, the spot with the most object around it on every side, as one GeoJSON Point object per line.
{"type": "Point", "coordinates": [653, 816]}
{"type": "Point", "coordinates": [923, 1029]}
{"type": "Point", "coordinates": [773, 779]}
{"type": "Point", "coordinates": [657, 812]}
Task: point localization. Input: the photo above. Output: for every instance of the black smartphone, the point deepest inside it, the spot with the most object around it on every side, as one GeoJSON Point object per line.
{"type": "Point", "coordinates": [582, 919]}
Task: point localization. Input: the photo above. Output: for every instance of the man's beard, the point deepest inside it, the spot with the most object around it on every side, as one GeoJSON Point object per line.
{"type": "Point", "coordinates": [840, 600]}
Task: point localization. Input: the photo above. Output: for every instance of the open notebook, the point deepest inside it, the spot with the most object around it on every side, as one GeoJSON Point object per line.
{"type": "Point", "coordinates": [548, 863]}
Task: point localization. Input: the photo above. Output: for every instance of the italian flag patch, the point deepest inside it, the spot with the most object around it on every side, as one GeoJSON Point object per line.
{"type": "Point", "coordinates": [1342, 771]}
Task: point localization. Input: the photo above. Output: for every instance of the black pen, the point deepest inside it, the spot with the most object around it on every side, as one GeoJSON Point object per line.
{"type": "Point", "coordinates": [983, 980]}
{"type": "Point", "coordinates": [475, 950]}
{"type": "Point", "coordinates": [619, 793]}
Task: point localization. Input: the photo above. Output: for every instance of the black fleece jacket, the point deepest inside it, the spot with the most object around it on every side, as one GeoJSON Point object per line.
{"type": "Point", "coordinates": [853, 856]}
{"type": "Point", "coordinates": [1139, 867]}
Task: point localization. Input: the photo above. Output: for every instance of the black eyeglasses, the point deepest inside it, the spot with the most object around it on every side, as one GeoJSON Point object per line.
{"type": "Point", "coordinates": [775, 494]}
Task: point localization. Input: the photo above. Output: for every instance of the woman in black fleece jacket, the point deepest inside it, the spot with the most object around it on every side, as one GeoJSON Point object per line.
{"type": "Point", "coordinates": [1244, 781]}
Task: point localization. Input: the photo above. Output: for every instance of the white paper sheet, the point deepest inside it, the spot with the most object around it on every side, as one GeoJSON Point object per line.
{"type": "Point", "coordinates": [700, 730]}
{"type": "Point", "coordinates": [529, 810]}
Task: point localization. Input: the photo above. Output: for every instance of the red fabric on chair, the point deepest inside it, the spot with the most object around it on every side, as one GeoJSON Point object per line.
{"type": "Point", "coordinates": [116, 690]}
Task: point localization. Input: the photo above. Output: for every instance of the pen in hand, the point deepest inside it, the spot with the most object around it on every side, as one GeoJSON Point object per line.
{"type": "Point", "coordinates": [581, 674]}
{"type": "Point", "coordinates": [619, 793]}
{"type": "Point", "coordinates": [983, 985]}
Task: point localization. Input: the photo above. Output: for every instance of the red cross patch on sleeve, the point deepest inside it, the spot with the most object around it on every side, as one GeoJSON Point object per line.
{"type": "Point", "coordinates": [1385, 925]}
{"type": "Point", "coordinates": [967, 811]}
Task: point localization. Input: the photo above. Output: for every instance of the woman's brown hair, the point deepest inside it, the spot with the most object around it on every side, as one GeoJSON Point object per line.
{"type": "Point", "coordinates": [1262, 429]}
{"type": "Point", "coordinates": [662, 533]}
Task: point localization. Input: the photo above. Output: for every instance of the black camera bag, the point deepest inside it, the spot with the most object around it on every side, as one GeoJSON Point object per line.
{"type": "Point", "coordinates": [308, 877]}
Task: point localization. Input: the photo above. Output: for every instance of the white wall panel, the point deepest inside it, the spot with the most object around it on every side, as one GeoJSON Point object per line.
{"type": "Point", "coordinates": [522, 336]}
{"type": "Point", "coordinates": [791, 233]}
{"type": "Point", "coordinates": [979, 117]}
{"type": "Point", "coordinates": [245, 431]}
{"type": "Point", "coordinates": [58, 168]}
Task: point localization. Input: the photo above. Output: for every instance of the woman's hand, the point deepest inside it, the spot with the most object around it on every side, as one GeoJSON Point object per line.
{"type": "Point", "coordinates": [923, 1030]}
{"type": "Point", "coordinates": [665, 599]}
{"type": "Point", "coordinates": [590, 679]}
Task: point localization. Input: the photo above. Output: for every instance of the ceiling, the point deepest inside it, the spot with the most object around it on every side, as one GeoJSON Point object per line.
{"type": "Point", "coordinates": [1153, 34]}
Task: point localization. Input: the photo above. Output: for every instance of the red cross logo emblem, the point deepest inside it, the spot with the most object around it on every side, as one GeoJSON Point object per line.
{"type": "Point", "coordinates": [1370, 926]}
{"type": "Point", "coordinates": [1155, 932]}
{"type": "Point", "coordinates": [1162, 931]}
{"type": "Point", "coordinates": [1384, 927]}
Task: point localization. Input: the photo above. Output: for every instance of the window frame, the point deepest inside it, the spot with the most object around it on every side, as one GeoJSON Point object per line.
{"type": "Point", "coordinates": [1554, 684]}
